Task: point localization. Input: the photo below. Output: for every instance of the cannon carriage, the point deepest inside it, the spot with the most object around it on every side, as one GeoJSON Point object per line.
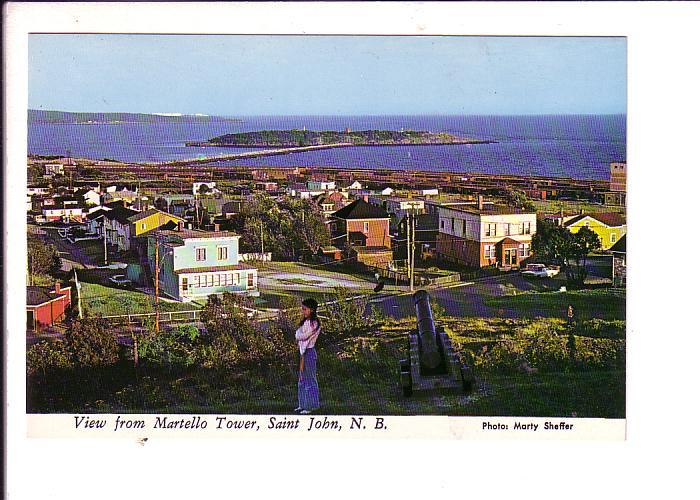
{"type": "Point", "coordinates": [432, 365]}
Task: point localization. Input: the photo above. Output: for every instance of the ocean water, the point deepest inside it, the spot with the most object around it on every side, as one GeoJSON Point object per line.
{"type": "Point", "coordinates": [578, 146]}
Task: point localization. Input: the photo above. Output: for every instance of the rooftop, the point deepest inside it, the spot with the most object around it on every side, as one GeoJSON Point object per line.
{"type": "Point", "coordinates": [214, 269]}
{"type": "Point", "coordinates": [360, 209]}
{"type": "Point", "coordinates": [488, 209]}
{"type": "Point", "coordinates": [609, 219]}
{"type": "Point", "coordinates": [147, 213]}
{"type": "Point", "coordinates": [197, 233]}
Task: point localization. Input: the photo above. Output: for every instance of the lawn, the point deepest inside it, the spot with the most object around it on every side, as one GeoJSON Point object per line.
{"type": "Point", "coordinates": [107, 301]}
{"type": "Point", "coordinates": [606, 304]}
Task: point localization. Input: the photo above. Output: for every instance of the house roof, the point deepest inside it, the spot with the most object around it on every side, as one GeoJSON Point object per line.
{"type": "Point", "coordinates": [360, 209]}
{"type": "Point", "coordinates": [620, 245]}
{"type": "Point", "coordinates": [152, 211]}
{"type": "Point", "coordinates": [487, 209]}
{"type": "Point", "coordinates": [96, 214]}
{"type": "Point", "coordinates": [37, 295]}
{"type": "Point", "coordinates": [509, 241]}
{"type": "Point", "coordinates": [609, 219]}
{"type": "Point", "coordinates": [214, 269]}
{"type": "Point", "coordinates": [120, 214]}
{"type": "Point", "coordinates": [198, 233]}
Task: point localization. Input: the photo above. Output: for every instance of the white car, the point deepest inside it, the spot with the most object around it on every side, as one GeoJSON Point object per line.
{"type": "Point", "coordinates": [120, 280]}
{"type": "Point", "coordinates": [539, 271]}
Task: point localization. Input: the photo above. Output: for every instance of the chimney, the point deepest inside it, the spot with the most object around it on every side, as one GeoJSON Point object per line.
{"type": "Point", "coordinates": [480, 202]}
{"type": "Point", "coordinates": [189, 225]}
{"type": "Point", "coordinates": [180, 226]}
{"type": "Point", "coordinates": [216, 228]}
{"type": "Point", "coordinates": [57, 288]}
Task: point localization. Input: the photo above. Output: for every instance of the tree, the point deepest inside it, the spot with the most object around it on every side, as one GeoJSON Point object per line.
{"type": "Point", "coordinates": [91, 342]}
{"type": "Point", "coordinates": [518, 199]}
{"type": "Point", "coordinates": [583, 243]}
{"type": "Point", "coordinates": [569, 250]}
{"type": "Point", "coordinates": [42, 258]}
{"type": "Point", "coordinates": [234, 339]}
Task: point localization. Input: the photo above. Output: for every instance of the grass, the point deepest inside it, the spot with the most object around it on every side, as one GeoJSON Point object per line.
{"type": "Point", "coordinates": [606, 304]}
{"type": "Point", "coordinates": [357, 376]}
{"type": "Point", "coordinates": [107, 301]}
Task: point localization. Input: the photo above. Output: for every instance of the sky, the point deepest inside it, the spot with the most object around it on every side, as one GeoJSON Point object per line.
{"type": "Point", "coordinates": [247, 75]}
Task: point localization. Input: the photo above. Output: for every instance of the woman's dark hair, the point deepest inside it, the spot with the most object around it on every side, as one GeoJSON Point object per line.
{"type": "Point", "coordinates": [313, 305]}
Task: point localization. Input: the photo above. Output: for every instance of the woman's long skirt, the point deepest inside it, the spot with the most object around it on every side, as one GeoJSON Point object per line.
{"type": "Point", "coordinates": [307, 387]}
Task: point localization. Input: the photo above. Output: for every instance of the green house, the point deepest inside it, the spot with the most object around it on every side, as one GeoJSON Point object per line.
{"type": "Point", "coordinates": [194, 264]}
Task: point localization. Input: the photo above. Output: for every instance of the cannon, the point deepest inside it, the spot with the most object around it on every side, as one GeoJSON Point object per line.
{"type": "Point", "coordinates": [432, 365]}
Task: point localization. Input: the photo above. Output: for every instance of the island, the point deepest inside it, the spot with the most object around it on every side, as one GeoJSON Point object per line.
{"type": "Point", "coordinates": [310, 138]}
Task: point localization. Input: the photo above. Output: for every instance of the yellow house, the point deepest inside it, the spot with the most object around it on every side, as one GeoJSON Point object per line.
{"type": "Point", "coordinates": [609, 227]}
{"type": "Point", "coordinates": [150, 219]}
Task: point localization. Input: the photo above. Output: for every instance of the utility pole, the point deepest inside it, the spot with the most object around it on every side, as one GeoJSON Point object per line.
{"type": "Point", "coordinates": [77, 287]}
{"type": "Point", "coordinates": [413, 245]}
{"type": "Point", "coordinates": [104, 236]}
{"type": "Point", "coordinates": [157, 266]}
{"type": "Point", "coordinates": [262, 241]}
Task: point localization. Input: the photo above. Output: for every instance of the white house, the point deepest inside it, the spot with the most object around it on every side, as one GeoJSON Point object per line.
{"type": "Point", "coordinates": [387, 191]}
{"type": "Point", "coordinates": [321, 185]}
{"type": "Point", "coordinates": [51, 169]}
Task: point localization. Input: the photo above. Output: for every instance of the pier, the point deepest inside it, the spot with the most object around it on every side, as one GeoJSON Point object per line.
{"type": "Point", "coordinates": [241, 156]}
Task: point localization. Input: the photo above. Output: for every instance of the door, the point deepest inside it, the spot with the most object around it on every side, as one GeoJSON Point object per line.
{"type": "Point", "coordinates": [511, 256]}
{"type": "Point", "coordinates": [30, 320]}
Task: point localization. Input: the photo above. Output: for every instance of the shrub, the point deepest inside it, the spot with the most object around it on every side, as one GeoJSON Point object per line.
{"type": "Point", "coordinates": [346, 315]}
{"type": "Point", "coordinates": [172, 348]}
{"type": "Point", "coordinates": [289, 315]}
{"type": "Point", "coordinates": [547, 346]}
{"type": "Point", "coordinates": [91, 343]}
{"type": "Point", "coordinates": [47, 356]}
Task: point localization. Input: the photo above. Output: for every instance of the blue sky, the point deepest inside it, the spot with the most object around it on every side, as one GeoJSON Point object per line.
{"type": "Point", "coordinates": [327, 75]}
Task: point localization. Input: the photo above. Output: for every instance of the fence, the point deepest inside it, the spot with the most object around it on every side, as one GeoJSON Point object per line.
{"type": "Point", "coordinates": [256, 257]}
{"type": "Point", "coordinates": [165, 317]}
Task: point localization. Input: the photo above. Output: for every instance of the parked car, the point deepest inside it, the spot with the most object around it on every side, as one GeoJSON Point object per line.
{"type": "Point", "coordinates": [539, 271]}
{"type": "Point", "coordinates": [120, 280]}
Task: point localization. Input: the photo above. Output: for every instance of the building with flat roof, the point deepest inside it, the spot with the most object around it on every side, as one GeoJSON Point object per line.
{"type": "Point", "coordinates": [483, 235]}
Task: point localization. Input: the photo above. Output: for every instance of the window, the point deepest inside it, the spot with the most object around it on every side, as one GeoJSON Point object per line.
{"type": "Point", "coordinates": [442, 223]}
{"type": "Point", "coordinates": [464, 227]}
{"type": "Point", "coordinates": [200, 254]}
{"type": "Point", "coordinates": [453, 225]}
{"type": "Point", "coordinates": [524, 249]}
{"type": "Point", "coordinates": [236, 279]}
{"type": "Point", "coordinates": [210, 280]}
{"type": "Point", "coordinates": [184, 284]}
{"type": "Point", "coordinates": [490, 229]}
{"type": "Point", "coordinates": [366, 227]}
{"type": "Point", "coordinates": [222, 253]}
{"type": "Point", "coordinates": [217, 281]}
{"type": "Point", "coordinates": [489, 251]}
{"type": "Point", "coordinates": [613, 237]}
{"type": "Point", "coordinates": [195, 281]}
{"type": "Point", "coordinates": [506, 229]}
{"type": "Point", "coordinates": [526, 227]}
{"type": "Point", "coordinates": [229, 279]}
{"type": "Point", "coordinates": [143, 225]}
{"type": "Point", "coordinates": [251, 277]}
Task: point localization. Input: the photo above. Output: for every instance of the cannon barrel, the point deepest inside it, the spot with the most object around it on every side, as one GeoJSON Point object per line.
{"type": "Point", "coordinates": [430, 355]}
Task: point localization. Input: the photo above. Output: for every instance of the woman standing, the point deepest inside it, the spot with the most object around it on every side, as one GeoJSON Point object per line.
{"type": "Point", "coordinates": [306, 335]}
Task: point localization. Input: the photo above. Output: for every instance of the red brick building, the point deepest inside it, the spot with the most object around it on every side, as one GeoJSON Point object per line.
{"type": "Point", "coordinates": [363, 227]}
{"type": "Point", "coordinates": [46, 306]}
